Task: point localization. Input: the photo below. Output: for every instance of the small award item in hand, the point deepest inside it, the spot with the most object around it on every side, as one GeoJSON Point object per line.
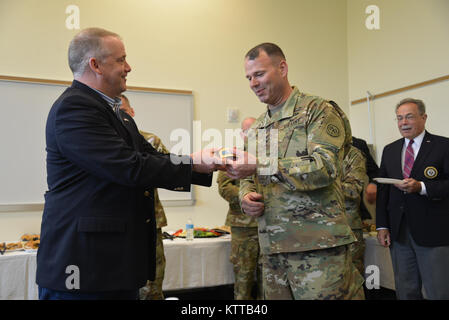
{"type": "Point", "coordinates": [225, 153]}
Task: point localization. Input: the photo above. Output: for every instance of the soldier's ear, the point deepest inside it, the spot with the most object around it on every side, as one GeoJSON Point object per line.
{"type": "Point", "coordinates": [283, 67]}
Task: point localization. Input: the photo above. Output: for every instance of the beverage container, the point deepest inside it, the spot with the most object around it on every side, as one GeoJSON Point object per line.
{"type": "Point", "coordinates": [189, 230]}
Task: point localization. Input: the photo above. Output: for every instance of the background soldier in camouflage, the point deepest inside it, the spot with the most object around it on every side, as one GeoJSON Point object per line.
{"type": "Point", "coordinates": [353, 182]}
{"type": "Point", "coordinates": [244, 241]}
{"type": "Point", "coordinates": [304, 235]}
{"type": "Point", "coordinates": [153, 289]}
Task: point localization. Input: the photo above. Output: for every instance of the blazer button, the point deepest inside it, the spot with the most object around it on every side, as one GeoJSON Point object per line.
{"type": "Point", "coordinates": [147, 193]}
{"type": "Point", "coordinates": [147, 221]}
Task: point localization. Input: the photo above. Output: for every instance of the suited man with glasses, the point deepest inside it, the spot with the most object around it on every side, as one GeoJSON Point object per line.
{"type": "Point", "coordinates": [413, 217]}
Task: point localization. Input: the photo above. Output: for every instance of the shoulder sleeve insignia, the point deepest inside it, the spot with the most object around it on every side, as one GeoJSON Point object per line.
{"type": "Point", "coordinates": [430, 172]}
{"type": "Point", "coordinates": [333, 130]}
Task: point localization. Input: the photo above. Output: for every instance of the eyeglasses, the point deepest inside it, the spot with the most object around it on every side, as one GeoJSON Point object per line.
{"type": "Point", "coordinates": [408, 117]}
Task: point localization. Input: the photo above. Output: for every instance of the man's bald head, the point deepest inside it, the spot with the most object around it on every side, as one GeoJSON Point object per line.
{"type": "Point", "coordinates": [247, 123]}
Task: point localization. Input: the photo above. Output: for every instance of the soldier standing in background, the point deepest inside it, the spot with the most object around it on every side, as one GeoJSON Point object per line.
{"type": "Point", "coordinates": [354, 179]}
{"type": "Point", "coordinates": [153, 289]}
{"type": "Point", "coordinates": [372, 172]}
{"type": "Point", "coordinates": [304, 235]}
{"type": "Point", "coordinates": [244, 241]}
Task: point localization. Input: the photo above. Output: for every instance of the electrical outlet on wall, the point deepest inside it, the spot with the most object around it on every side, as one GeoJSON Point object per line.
{"type": "Point", "coordinates": [233, 115]}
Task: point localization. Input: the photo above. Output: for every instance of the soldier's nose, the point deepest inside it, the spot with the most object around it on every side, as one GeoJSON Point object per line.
{"type": "Point", "coordinates": [254, 83]}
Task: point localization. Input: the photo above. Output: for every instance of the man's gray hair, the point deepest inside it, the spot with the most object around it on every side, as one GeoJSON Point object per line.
{"type": "Point", "coordinates": [85, 45]}
{"type": "Point", "coordinates": [419, 103]}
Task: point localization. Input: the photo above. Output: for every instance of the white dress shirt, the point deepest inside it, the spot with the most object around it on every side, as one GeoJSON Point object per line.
{"type": "Point", "coordinates": [417, 141]}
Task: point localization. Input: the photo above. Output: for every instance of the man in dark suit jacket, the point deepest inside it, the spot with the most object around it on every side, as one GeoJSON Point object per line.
{"type": "Point", "coordinates": [372, 172]}
{"type": "Point", "coordinates": [98, 227]}
{"type": "Point", "coordinates": [412, 217]}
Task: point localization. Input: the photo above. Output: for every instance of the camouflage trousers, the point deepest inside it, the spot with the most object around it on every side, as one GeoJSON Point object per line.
{"type": "Point", "coordinates": [245, 258]}
{"type": "Point", "coordinates": [319, 274]}
{"type": "Point", "coordinates": [153, 289]}
{"type": "Point", "coordinates": [358, 251]}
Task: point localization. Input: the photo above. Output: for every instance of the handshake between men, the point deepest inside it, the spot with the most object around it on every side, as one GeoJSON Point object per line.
{"type": "Point", "coordinates": [237, 163]}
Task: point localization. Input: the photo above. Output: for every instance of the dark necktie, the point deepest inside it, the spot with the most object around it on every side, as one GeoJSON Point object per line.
{"type": "Point", "coordinates": [409, 160]}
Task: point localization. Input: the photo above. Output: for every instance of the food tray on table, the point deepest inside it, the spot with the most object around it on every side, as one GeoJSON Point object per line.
{"type": "Point", "coordinates": [369, 229]}
{"type": "Point", "coordinates": [201, 233]}
{"type": "Point", "coordinates": [28, 242]}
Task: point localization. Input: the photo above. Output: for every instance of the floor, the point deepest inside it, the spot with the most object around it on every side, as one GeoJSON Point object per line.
{"type": "Point", "coordinates": [226, 293]}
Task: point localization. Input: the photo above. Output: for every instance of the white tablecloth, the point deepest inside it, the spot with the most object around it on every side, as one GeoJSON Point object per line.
{"type": "Point", "coordinates": [379, 256]}
{"type": "Point", "coordinates": [18, 275]}
{"type": "Point", "coordinates": [197, 263]}
{"type": "Point", "coordinates": [190, 264]}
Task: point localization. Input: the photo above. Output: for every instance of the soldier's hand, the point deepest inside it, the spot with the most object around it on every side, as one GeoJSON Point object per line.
{"type": "Point", "coordinates": [252, 204]}
{"type": "Point", "coordinates": [371, 193]}
{"type": "Point", "coordinates": [244, 165]}
{"type": "Point", "coordinates": [207, 161]}
{"type": "Point", "coordinates": [383, 237]}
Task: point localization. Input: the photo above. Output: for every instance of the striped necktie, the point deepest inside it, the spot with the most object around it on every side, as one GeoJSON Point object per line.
{"type": "Point", "coordinates": [116, 108]}
{"type": "Point", "coordinates": [409, 160]}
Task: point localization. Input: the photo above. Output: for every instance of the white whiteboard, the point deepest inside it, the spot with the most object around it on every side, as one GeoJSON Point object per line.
{"type": "Point", "coordinates": [161, 113]}
{"type": "Point", "coordinates": [25, 106]}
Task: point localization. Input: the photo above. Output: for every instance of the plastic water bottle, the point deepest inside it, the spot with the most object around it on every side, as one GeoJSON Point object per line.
{"type": "Point", "coordinates": [189, 230]}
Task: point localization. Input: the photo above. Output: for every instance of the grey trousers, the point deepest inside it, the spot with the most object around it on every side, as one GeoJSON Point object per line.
{"type": "Point", "coordinates": [416, 267]}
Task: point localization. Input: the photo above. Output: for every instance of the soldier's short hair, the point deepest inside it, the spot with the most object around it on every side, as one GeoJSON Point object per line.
{"type": "Point", "coordinates": [85, 45]}
{"type": "Point", "coordinates": [271, 49]}
{"type": "Point", "coordinates": [419, 103]}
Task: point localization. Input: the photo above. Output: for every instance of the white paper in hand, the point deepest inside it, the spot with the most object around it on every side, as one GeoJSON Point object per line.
{"type": "Point", "coordinates": [388, 181]}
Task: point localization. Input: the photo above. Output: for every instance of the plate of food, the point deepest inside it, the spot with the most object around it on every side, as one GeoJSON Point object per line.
{"type": "Point", "coordinates": [199, 233]}
{"type": "Point", "coordinates": [11, 246]}
{"type": "Point", "coordinates": [32, 245]}
{"type": "Point", "coordinates": [30, 237]}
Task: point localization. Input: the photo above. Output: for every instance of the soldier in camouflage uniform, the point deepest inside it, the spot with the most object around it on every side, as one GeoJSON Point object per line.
{"type": "Point", "coordinates": [354, 179]}
{"type": "Point", "coordinates": [153, 289]}
{"type": "Point", "coordinates": [244, 241]}
{"type": "Point", "coordinates": [304, 235]}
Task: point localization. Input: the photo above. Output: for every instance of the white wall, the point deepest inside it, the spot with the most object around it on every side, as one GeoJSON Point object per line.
{"type": "Point", "coordinates": [411, 46]}
{"type": "Point", "coordinates": [178, 44]}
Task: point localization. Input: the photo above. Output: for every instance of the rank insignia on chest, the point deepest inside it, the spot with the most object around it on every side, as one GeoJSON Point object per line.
{"type": "Point", "coordinates": [430, 172]}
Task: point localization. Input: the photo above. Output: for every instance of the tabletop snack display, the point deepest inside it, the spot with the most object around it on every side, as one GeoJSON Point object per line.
{"type": "Point", "coordinates": [28, 242]}
{"type": "Point", "coordinates": [200, 233]}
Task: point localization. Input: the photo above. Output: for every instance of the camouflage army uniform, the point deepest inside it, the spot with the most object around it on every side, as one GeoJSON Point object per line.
{"type": "Point", "coordinates": [304, 235]}
{"type": "Point", "coordinates": [153, 289]}
{"type": "Point", "coordinates": [354, 179]}
{"type": "Point", "coordinates": [244, 241]}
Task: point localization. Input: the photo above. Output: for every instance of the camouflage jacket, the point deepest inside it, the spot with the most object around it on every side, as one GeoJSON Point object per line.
{"type": "Point", "coordinates": [302, 194]}
{"type": "Point", "coordinates": [354, 179]}
{"type": "Point", "coordinates": [229, 190]}
{"type": "Point", "coordinates": [161, 219]}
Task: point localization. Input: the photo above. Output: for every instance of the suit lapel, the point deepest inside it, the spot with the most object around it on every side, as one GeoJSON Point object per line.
{"type": "Point", "coordinates": [127, 134]}
{"type": "Point", "coordinates": [397, 158]}
{"type": "Point", "coordinates": [426, 147]}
